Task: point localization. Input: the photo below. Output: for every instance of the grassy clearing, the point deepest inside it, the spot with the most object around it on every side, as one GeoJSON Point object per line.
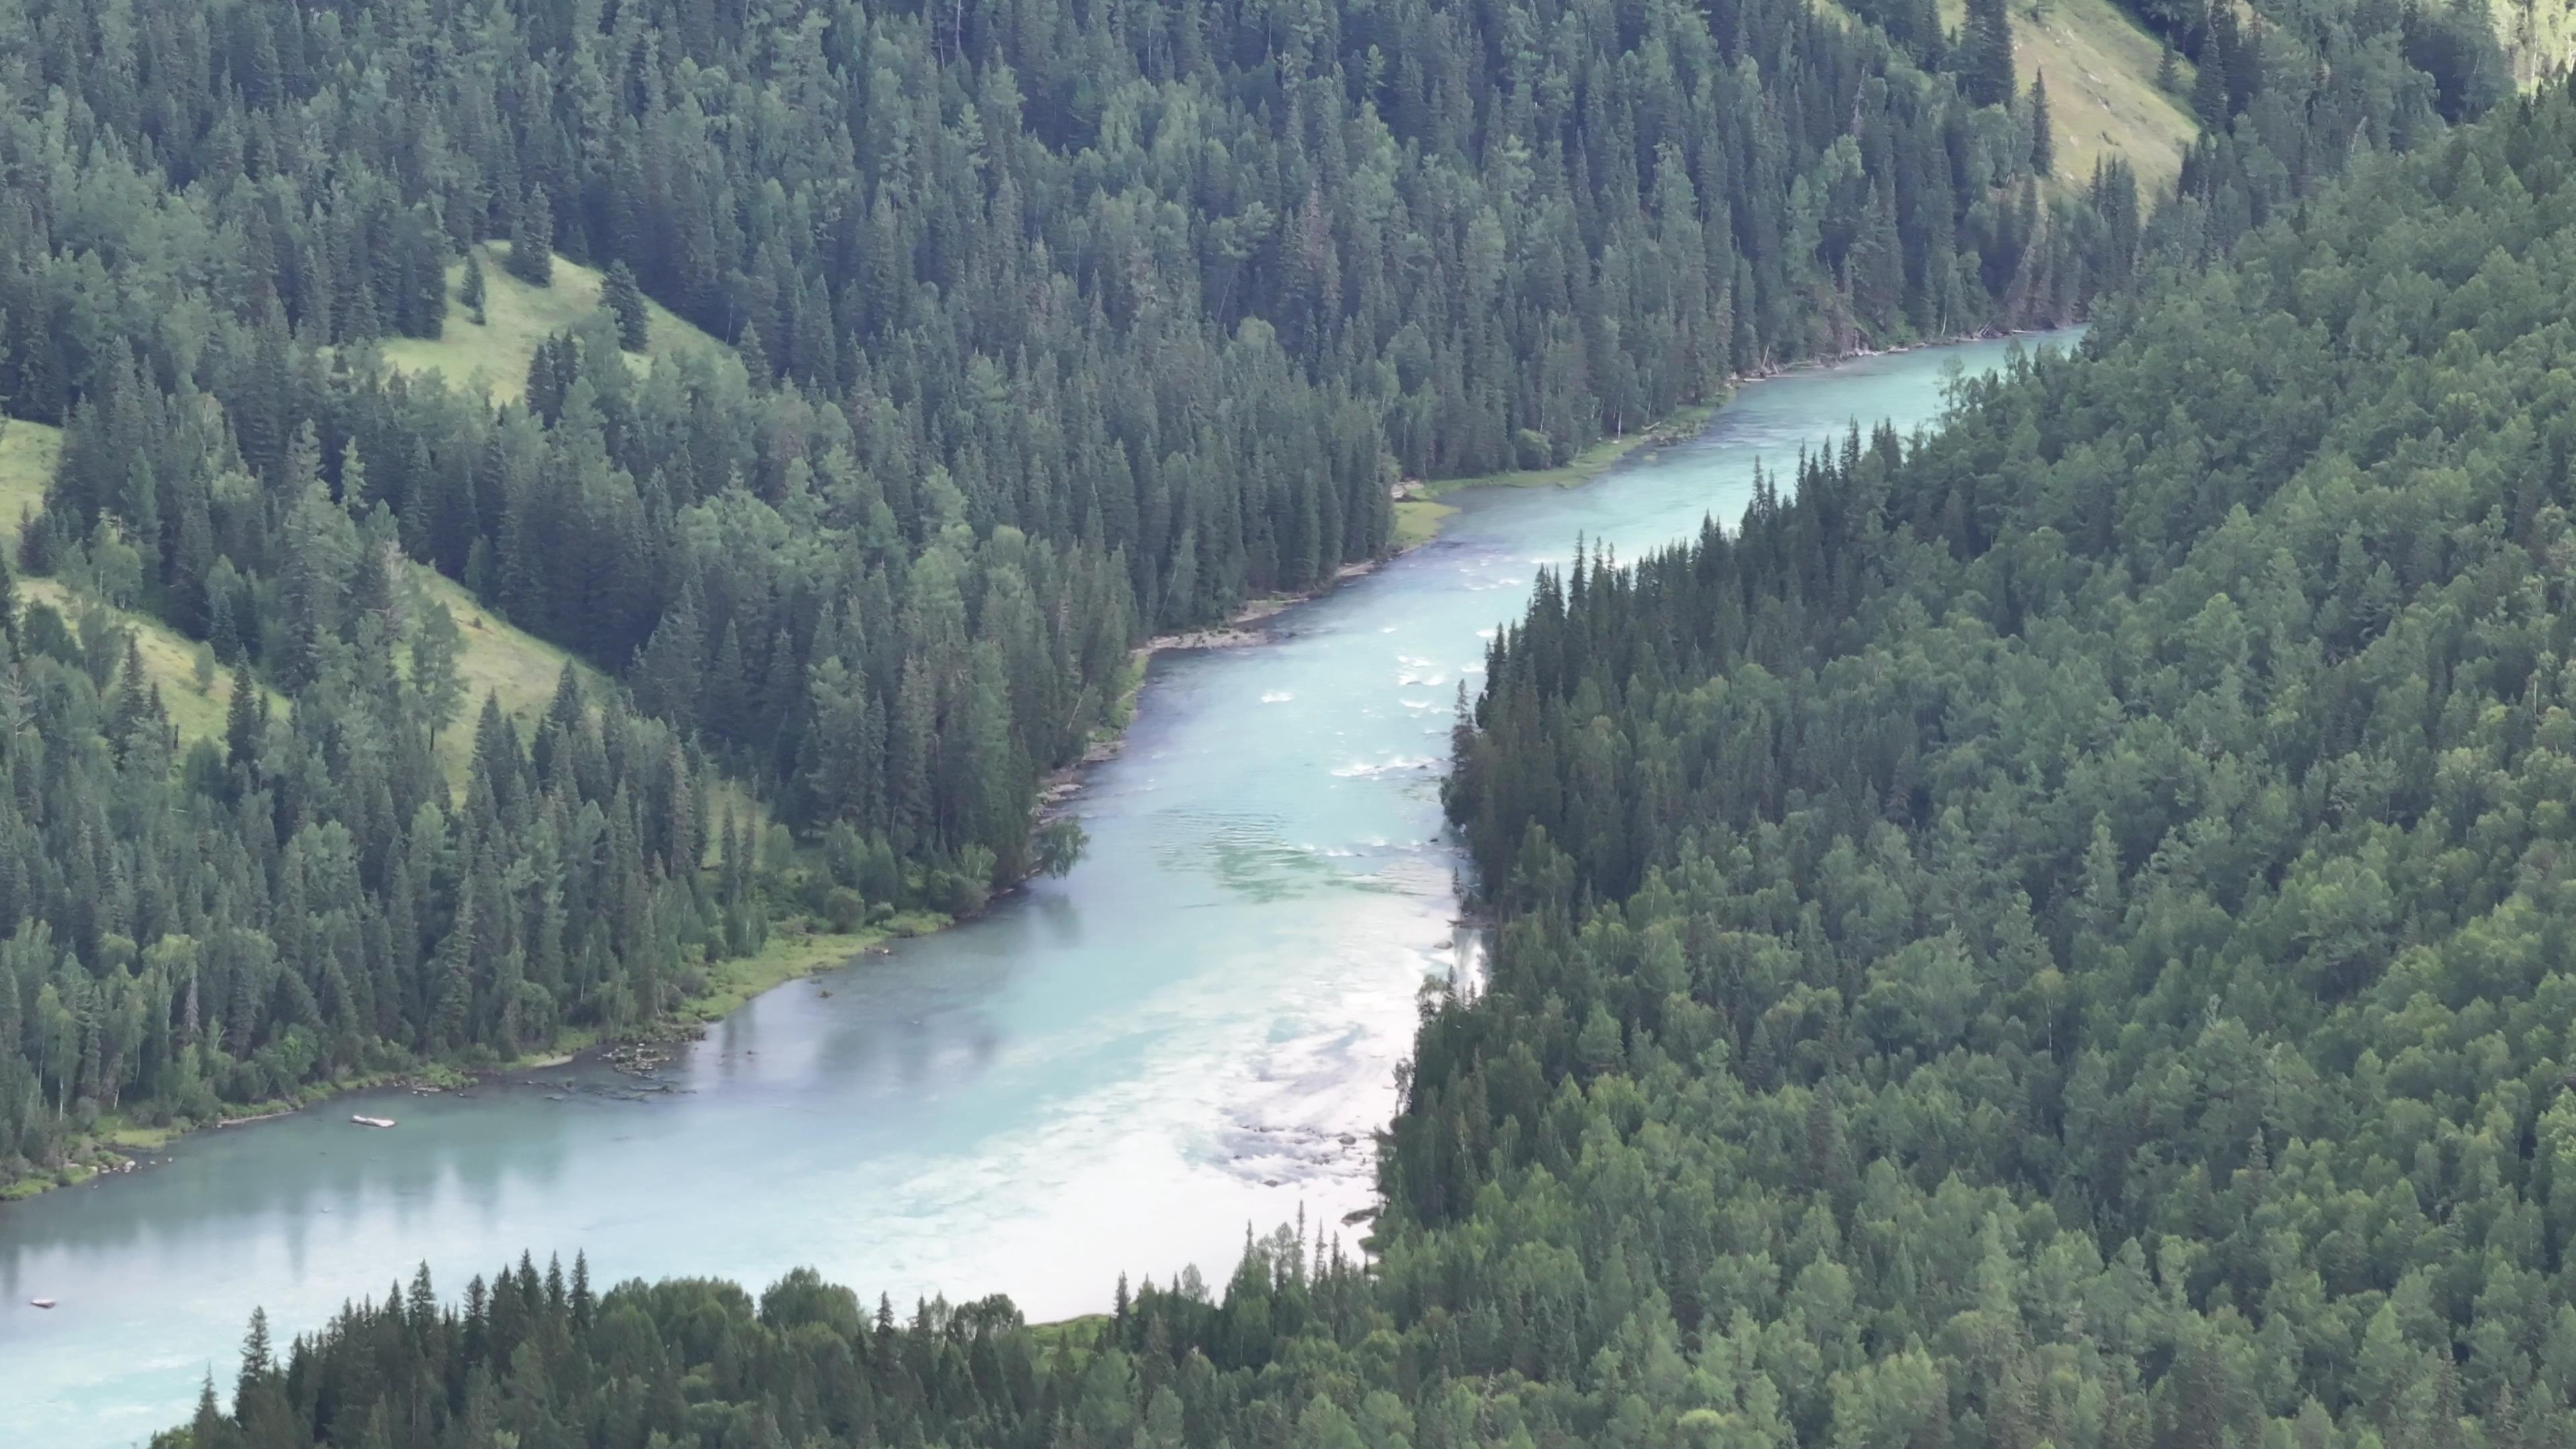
{"type": "Point", "coordinates": [1417, 521]}
{"type": "Point", "coordinates": [2102, 96]}
{"type": "Point", "coordinates": [169, 658]}
{"type": "Point", "coordinates": [27, 455]}
{"type": "Point", "coordinates": [28, 452]}
{"type": "Point", "coordinates": [500, 661]}
{"type": "Point", "coordinates": [494, 356]}
{"type": "Point", "coordinates": [1070, 1335]}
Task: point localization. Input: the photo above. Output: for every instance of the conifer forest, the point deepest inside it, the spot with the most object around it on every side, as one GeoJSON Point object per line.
{"type": "Point", "coordinates": [2048, 932]}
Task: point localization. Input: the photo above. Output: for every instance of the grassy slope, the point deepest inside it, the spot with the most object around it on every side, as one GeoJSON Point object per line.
{"type": "Point", "coordinates": [27, 454]}
{"type": "Point", "coordinates": [498, 659]}
{"type": "Point", "coordinates": [517, 318]}
{"type": "Point", "coordinates": [2102, 96]}
{"type": "Point", "coordinates": [518, 667]}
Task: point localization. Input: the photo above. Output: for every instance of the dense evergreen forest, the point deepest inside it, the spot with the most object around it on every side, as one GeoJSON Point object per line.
{"type": "Point", "coordinates": [1045, 327]}
{"type": "Point", "coordinates": [2053, 933]}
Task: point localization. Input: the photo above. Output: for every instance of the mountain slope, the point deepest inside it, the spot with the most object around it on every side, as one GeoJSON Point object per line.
{"type": "Point", "coordinates": [518, 316]}
{"type": "Point", "coordinates": [2100, 65]}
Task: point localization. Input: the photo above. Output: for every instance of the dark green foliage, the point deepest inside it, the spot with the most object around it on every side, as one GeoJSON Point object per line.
{"type": "Point", "coordinates": [626, 303]}
{"type": "Point", "coordinates": [1984, 57]}
{"type": "Point", "coordinates": [1055, 331]}
{"type": "Point", "coordinates": [2043, 142]}
{"type": "Point", "coordinates": [2053, 934]}
{"type": "Point", "coordinates": [1054, 334]}
{"type": "Point", "coordinates": [310, 898]}
{"type": "Point", "coordinates": [2283, 106]}
{"type": "Point", "coordinates": [532, 239]}
{"type": "Point", "coordinates": [2109, 851]}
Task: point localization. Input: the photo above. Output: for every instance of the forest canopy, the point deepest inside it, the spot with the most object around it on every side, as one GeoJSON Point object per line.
{"type": "Point", "coordinates": [1034, 330]}
{"type": "Point", "coordinates": [1029, 331]}
{"type": "Point", "coordinates": [2052, 932]}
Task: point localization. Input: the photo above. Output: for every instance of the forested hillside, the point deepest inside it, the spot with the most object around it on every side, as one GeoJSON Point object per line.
{"type": "Point", "coordinates": [1034, 330]}
{"type": "Point", "coordinates": [2051, 934]}
{"type": "Point", "coordinates": [2072, 912]}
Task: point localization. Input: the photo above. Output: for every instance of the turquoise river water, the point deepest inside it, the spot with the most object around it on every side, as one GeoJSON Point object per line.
{"type": "Point", "coordinates": [1195, 1030]}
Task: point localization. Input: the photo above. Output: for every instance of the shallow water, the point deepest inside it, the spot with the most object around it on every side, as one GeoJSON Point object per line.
{"type": "Point", "coordinates": [1194, 1031]}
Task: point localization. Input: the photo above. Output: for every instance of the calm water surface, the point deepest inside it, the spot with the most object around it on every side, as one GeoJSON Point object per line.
{"type": "Point", "coordinates": [1118, 1071]}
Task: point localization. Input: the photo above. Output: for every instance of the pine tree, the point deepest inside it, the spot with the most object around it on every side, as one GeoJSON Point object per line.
{"type": "Point", "coordinates": [437, 648]}
{"type": "Point", "coordinates": [257, 1358]}
{"type": "Point", "coordinates": [626, 300]}
{"type": "Point", "coordinates": [1985, 54]}
{"type": "Point", "coordinates": [2168, 68]}
{"type": "Point", "coordinates": [755, 356]}
{"type": "Point", "coordinates": [532, 245]}
{"type": "Point", "coordinates": [2209, 98]}
{"type": "Point", "coordinates": [2043, 145]}
{"type": "Point", "coordinates": [473, 291]}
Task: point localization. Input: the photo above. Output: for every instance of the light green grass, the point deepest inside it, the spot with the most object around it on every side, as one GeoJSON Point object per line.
{"type": "Point", "coordinates": [504, 662]}
{"type": "Point", "coordinates": [2102, 96]}
{"type": "Point", "coordinates": [500, 661]}
{"type": "Point", "coordinates": [788, 957]}
{"type": "Point", "coordinates": [1419, 514]}
{"type": "Point", "coordinates": [169, 660]}
{"type": "Point", "coordinates": [1069, 1335]}
{"type": "Point", "coordinates": [28, 452]}
{"type": "Point", "coordinates": [1418, 520]}
{"type": "Point", "coordinates": [494, 356]}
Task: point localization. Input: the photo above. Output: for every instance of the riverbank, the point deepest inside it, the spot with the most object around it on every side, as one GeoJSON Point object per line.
{"type": "Point", "coordinates": [116, 1146]}
{"type": "Point", "coordinates": [1222, 988]}
{"type": "Point", "coordinates": [1241, 629]}
{"type": "Point", "coordinates": [1419, 513]}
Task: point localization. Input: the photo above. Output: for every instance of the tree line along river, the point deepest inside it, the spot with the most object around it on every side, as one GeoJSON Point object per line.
{"type": "Point", "coordinates": [1195, 1031]}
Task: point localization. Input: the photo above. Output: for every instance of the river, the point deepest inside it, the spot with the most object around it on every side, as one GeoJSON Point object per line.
{"type": "Point", "coordinates": [1194, 1031]}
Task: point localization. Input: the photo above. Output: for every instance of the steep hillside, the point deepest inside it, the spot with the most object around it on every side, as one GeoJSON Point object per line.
{"type": "Point", "coordinates": [27, 454]}
{"type": "Point", "coordinates": [498, 660]}
{"type": "Point", "coordinates": [196, 698]}
{"type": "Point", "coordinates": [2085, 895]}
{"type": "Point", "coordinates": [2101, 70]}
{"type": "Point", "coordinates": [517, 317]}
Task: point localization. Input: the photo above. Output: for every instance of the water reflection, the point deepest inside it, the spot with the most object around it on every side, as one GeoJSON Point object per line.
{"type": "Point", "coordinates": [1194, 1030]}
